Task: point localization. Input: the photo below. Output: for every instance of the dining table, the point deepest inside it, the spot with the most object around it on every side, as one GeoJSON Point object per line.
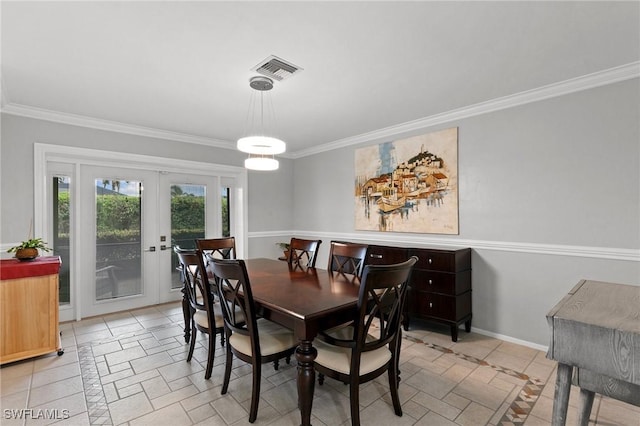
{"type": "Point", "coordinates": [306, 301]}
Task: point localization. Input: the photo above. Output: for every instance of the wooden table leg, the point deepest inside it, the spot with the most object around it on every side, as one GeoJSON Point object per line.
{"type": "Point", "coordinates": [585, 404]}
{"type": "Point", "coordinates": [306, 354]}
{"type": "Point", "coordinates": [561, 396]}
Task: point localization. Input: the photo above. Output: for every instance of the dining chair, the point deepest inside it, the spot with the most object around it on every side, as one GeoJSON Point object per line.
{"type": "Point", "coordinates": [303, 253]}
{"type": "Point", "coordinates": [204, 314]}
{"type": "Point", "coordinates": [371, 345]}
{"type": "Point", "coordinates": [251, 339]}
{"type": "Point", "coordinates": [347, 258]}
{"type": "Point", "coordinates": [217, 248]}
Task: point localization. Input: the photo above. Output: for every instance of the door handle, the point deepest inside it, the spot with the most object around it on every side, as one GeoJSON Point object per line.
{"type": "Point", "coordinates": [152, 248]}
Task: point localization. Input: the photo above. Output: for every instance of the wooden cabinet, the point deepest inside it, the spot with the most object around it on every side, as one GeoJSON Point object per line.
{"type": "Point", "coordinates": [440, 286]}
{"type": "Point", "coordinates": [384, 255]}
{"type": "Point", "coordinates": [29, 308]}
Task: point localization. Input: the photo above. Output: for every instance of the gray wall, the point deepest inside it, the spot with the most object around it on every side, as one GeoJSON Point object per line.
{"type": "Point", "coordinates": [19, 134]}
{"type": "Point", "coordinates": [549, 194]}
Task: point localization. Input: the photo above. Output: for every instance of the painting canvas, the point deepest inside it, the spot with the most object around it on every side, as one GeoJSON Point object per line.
{"type": "Point", "coordinates": [409, 185]}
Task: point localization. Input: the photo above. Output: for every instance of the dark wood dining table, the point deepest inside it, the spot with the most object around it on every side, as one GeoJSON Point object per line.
{"type": "Point", "coordinates": [305, 300]}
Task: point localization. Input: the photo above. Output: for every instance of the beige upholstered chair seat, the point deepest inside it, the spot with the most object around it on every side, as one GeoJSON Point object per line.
{"type": "Point", "coordinates": [200, 317]}
{"type": "Point", "coordinates": [339, 358]}
{"type": "Point", "coordinates": [273, 339]}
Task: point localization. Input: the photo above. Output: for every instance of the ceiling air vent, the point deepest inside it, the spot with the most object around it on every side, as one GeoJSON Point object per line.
{"type": "Point", "coordinates": [276, 68]}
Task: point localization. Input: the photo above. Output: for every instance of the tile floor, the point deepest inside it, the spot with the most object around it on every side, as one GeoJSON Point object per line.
{"type": "Point", "coordinates": [130, 369]}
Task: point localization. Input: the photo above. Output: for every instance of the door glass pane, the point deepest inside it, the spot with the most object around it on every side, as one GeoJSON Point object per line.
{"type": "Point", "coordinates": [61, 234]}
{"type": "Point", "coordinates": [225, 213]}
{"type": "Point", "coordinates": [187, 221]}
{"type": "Point", "coordinates": [118, 238]}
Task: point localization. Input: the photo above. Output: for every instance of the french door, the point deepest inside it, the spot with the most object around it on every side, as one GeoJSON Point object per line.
{"type": "Point", "coordinates": [115, 219]}
{"type": "Point", "coordinates": [192, 206]}
{"type": "Point", "coordinates": [132, 220]}
{"type": "Point", "coordinates": [117, 230]}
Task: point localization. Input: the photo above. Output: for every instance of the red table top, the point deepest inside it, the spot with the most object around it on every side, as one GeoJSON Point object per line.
{"type": "Point", "coordinates": [11, 269]}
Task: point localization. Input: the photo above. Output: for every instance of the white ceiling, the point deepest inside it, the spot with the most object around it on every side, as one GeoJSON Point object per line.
{"type": "Point", "coordinates": [182, 68]}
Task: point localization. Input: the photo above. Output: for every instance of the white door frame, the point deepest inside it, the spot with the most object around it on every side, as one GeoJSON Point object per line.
{"type": "Point", "coordinates": [44, 153]}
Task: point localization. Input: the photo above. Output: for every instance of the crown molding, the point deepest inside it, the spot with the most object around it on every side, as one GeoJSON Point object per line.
{"type": "Point", "coordinates": [112, 126]}
{"type": "Point", "coordinates": [589, 81]}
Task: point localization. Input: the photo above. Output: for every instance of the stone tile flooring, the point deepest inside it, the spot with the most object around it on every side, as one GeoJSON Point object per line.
{"type": "Point", "coordinates": [129, 369]}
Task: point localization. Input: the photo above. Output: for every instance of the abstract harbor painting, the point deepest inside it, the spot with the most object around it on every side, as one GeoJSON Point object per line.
{"type": "Point", "coordinates": [408, 185]}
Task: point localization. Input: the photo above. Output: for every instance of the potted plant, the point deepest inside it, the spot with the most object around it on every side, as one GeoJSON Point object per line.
{"type": "Point", "coordinates": [28, 250]}
{"type": "Point", "coordinates": [285, 249]}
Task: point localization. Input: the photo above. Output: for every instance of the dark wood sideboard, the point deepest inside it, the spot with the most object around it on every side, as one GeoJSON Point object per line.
{"type": "Point", "coordinates": [440, 286]}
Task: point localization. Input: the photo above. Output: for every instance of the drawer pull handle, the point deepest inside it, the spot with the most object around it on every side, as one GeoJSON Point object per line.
{"type": "Point", "coordinates": [376, 256]}
{"type": "Point", "coordinates": [430, 304]}
{"type": "Point", "coordinates": [430, 282]}
{"type": "Point", "coordinates": [430, 261]}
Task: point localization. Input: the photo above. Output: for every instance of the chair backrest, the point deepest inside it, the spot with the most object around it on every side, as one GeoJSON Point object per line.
{"type": "Point", "coordinates": [236, 299]}
{"type": "Point", "coordinates": [217, 248]}
{"type": "Point", "coordinates": [197, 287]}
{"type": "Point", "coordinates": [303, 253]}
{"type": "Point", "coordinates": [347, 258]}
{"type": "Point", "coordinates": [381, 299]}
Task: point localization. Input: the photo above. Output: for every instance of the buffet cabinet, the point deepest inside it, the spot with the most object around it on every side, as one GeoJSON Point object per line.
{"type": "Point", "coordinates": [440, 285]}
{"type": "Point", "coordinates": [29, 308]}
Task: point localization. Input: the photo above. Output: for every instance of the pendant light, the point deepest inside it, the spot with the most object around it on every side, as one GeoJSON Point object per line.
{"type": "Point", "coordinates": [260, 147]}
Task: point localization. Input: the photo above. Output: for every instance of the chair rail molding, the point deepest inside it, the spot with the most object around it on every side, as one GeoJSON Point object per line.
{"type": "Point", "coordinates": [610, 253]}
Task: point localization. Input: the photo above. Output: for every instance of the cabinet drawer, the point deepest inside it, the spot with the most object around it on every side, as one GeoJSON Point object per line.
{"type": "Point", "coordinates": [442, 260]}
{"type": "Point", "coordinates": [441, 282]}
{"type": "Point", "coordinates": [382, 255]}
{"type": "Point", "coordinates": [439, 306]}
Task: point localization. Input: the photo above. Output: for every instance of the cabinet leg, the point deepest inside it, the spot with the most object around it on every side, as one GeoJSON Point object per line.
{"type": "Point", "coordinates": [467, 326]}
{"type": "Point", "coordinates": [454, 333]}
{"type": "Point", "coordinates": [405, 322]}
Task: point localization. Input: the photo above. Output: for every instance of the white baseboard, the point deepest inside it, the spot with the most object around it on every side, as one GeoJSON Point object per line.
{"type": "Point", "coordinates": [510, 339]}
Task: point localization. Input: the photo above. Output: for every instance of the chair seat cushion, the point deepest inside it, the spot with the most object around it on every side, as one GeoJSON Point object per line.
{"type": "Point", "coordinates": [273, 339]}
{"type": "Point", "coordinates": [200, 317]}
{"type": "Point", "coordinates": [339, 359]}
